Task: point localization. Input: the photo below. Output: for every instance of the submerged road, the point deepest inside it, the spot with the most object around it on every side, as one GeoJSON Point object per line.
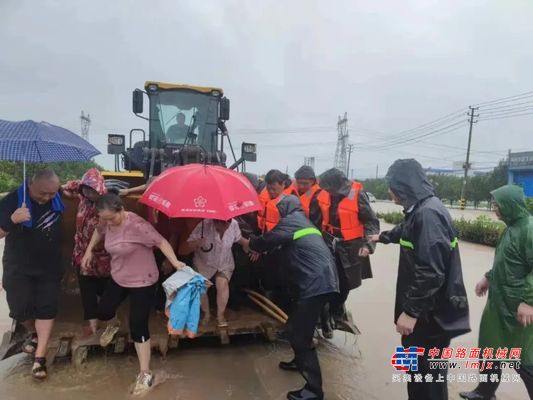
{"type": "Point", "coordinates": [353, 367]}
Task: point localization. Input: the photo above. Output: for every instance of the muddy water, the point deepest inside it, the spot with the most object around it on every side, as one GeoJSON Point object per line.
{"type": "Point", "coordinates": [353, 367]}
{"type": "Point", "coordinates": [468, 214]}
{"type": "Point", "coordinates": [245, 370]}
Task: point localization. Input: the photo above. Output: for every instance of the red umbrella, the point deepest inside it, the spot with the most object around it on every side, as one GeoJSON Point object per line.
{"type": "Point", "coordinates": [201, 191]}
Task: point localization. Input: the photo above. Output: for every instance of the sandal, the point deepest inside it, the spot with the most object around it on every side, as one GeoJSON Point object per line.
{"type": "Point", "coordinates": [30, 344]}
{"type": "Point", "coordinates": [39, 372]}
{"type": "Point", "coordinates": [222, 323]}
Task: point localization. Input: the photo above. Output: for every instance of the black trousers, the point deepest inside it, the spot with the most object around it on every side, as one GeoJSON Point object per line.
{"type": "Point", "coordinates": [91, 288]}
{"type": "Point", "coordinates": [489, 388]}
{"type": "Point", "coordinates": [31, 297]}
{"type": "Point", "coordinates": [336, 304]}
{"type": "Point", "coordinates": [428, 338]}
{"type": "Point", "coordinates": [141, 303]}
{"type": "Point", "coordinates": [300, 330]}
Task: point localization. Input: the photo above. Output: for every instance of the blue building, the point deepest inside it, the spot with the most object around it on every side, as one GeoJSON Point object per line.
{"type": "Point", "coordinates": [521, 170]}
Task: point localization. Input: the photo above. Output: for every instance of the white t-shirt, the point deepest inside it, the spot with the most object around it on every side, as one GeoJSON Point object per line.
{"type": "Point", "coordinates": [220, 258]}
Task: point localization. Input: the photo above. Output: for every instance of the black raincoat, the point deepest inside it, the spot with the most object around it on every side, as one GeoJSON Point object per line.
{"type": "Point", "coordinates": [311, 268]}
{"type": "Point", "coordinates": [430, 282]}
{"type": "Point", "coordinates": [354, 268]}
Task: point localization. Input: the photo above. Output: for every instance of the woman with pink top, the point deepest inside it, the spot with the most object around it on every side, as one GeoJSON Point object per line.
{"type": "Point", "coordinates": [130, 240]}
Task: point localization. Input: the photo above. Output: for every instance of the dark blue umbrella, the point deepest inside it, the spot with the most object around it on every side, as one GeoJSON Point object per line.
{"type": "Point", "coordinates": [41, 142]}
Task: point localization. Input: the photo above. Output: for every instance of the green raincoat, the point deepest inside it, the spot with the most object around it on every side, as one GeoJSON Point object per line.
{"type": "Point", "coordinates": [511, 278]}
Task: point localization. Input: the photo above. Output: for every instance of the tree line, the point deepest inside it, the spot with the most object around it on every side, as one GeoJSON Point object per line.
{"type": "Point", "coordinates": [448, 187]}
{"type": "Point", "coordinates": [11, 173]}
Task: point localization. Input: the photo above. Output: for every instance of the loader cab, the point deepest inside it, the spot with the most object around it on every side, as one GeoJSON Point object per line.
{"type": "Point", "coordinates": [181, 115]}
{"type": "Point", "coordinates": [186, 125]}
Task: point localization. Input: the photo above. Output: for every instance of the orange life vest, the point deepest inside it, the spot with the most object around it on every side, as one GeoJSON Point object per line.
{"type": "Point", "coordinates": [268, 216]}
{"type": "Point", "coordinates": [290, 190]}
{"type": "Point", "coordinates": [347, 211]}
{"type": "Point", "coordinates": [272, 213]}
{"type": "Point", "coordinates": [264, 198]}
{"type": "Point", "coordinates": [307, 197]}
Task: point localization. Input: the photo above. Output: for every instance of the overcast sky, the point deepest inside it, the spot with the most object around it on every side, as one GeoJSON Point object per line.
{"type": "Point", "coordinates": [290, 66]}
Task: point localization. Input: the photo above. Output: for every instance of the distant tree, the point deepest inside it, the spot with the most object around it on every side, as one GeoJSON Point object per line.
{"type": "Point", "coordinates": [447, 188]}
{"type": "Point", "coordinates": [498, 177]}
{"type": "Point", "coordinates": [378, 187]}
{"type": "Point", "coordinates": [11, 173]}
{"type": "Point", "coordinates": [478, 188]}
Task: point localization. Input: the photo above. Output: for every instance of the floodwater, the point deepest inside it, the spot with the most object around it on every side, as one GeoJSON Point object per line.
{"type": "Point", "coordinates": [353, 367]}
{"type": "Point", "coordinates": [468, 213]}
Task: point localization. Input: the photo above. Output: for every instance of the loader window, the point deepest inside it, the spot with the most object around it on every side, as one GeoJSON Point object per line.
{"type": "Point", "coordinates": [182, 117]}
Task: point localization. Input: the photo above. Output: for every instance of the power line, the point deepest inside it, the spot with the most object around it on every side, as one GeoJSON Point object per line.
{"type": "Point", "coordinates": [438, 145]}
{"type": "Point", "coordinates": [505, 116]}
{"type": "Point", "coordinates": [506, 99]}
{"type": "Point", "coordinates": [525, 103]}
{"type": "Point", "coordinates": [280, 131]}
{"type": "Point", "coordinates": [304, 144]}
{"type": "Point", "coordinates": [509, 111]}
{"type": "Point", "coordinates": [405, 134]}
{"type": "Point", "coordinates": [421, 129]}
{"type": "Point", "coordinates": [404, 153]}
{"type": "Point", "coordinates": [441, 131]}
{"type": "Point", "coordinates": [463, 149]}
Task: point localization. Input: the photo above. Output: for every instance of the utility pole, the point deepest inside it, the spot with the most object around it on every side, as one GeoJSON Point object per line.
{"type": "Point", "coordinates": [85, 125]}
{"type": "Point", "coordinates": [377, 170]}
{"type": "Point", "coordinates": [510, 176]}
{"type": "Point", "coordinates": [467, 163]}
{"type": "Point", "coordinates": [350, 150]}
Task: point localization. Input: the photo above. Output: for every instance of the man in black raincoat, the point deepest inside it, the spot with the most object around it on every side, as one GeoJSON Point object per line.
{"type": "Point", "coordinates": [346, 219]}
{"type": "Point", "coordinates": [431, 303]}
{"type": "Point", "coordinates": [312, 280]}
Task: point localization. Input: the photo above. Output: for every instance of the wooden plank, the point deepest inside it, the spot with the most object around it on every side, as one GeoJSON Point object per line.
{"type": "Point", "coordinates": [245, 321]}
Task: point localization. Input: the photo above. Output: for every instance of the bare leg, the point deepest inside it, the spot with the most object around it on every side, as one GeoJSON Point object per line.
{"type": "Point", "coordinates": [93, 324]}
{"type": "Point", "coordinates": [144, 353]}
{"type": "Point", "coordinates": [222, 296]}
{"type": "Point", "coordinates": [44, 330]}
{"type": "Point", "coordinates": [204, 305]}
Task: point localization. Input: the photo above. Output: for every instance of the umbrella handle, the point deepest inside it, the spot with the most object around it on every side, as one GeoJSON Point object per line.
{"type": "Point", "coordinates": [24, 180]}
{"type": "Point", "coordinates": [210, 245]}
{"type": "Point", "coordinates": [207, 250]}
